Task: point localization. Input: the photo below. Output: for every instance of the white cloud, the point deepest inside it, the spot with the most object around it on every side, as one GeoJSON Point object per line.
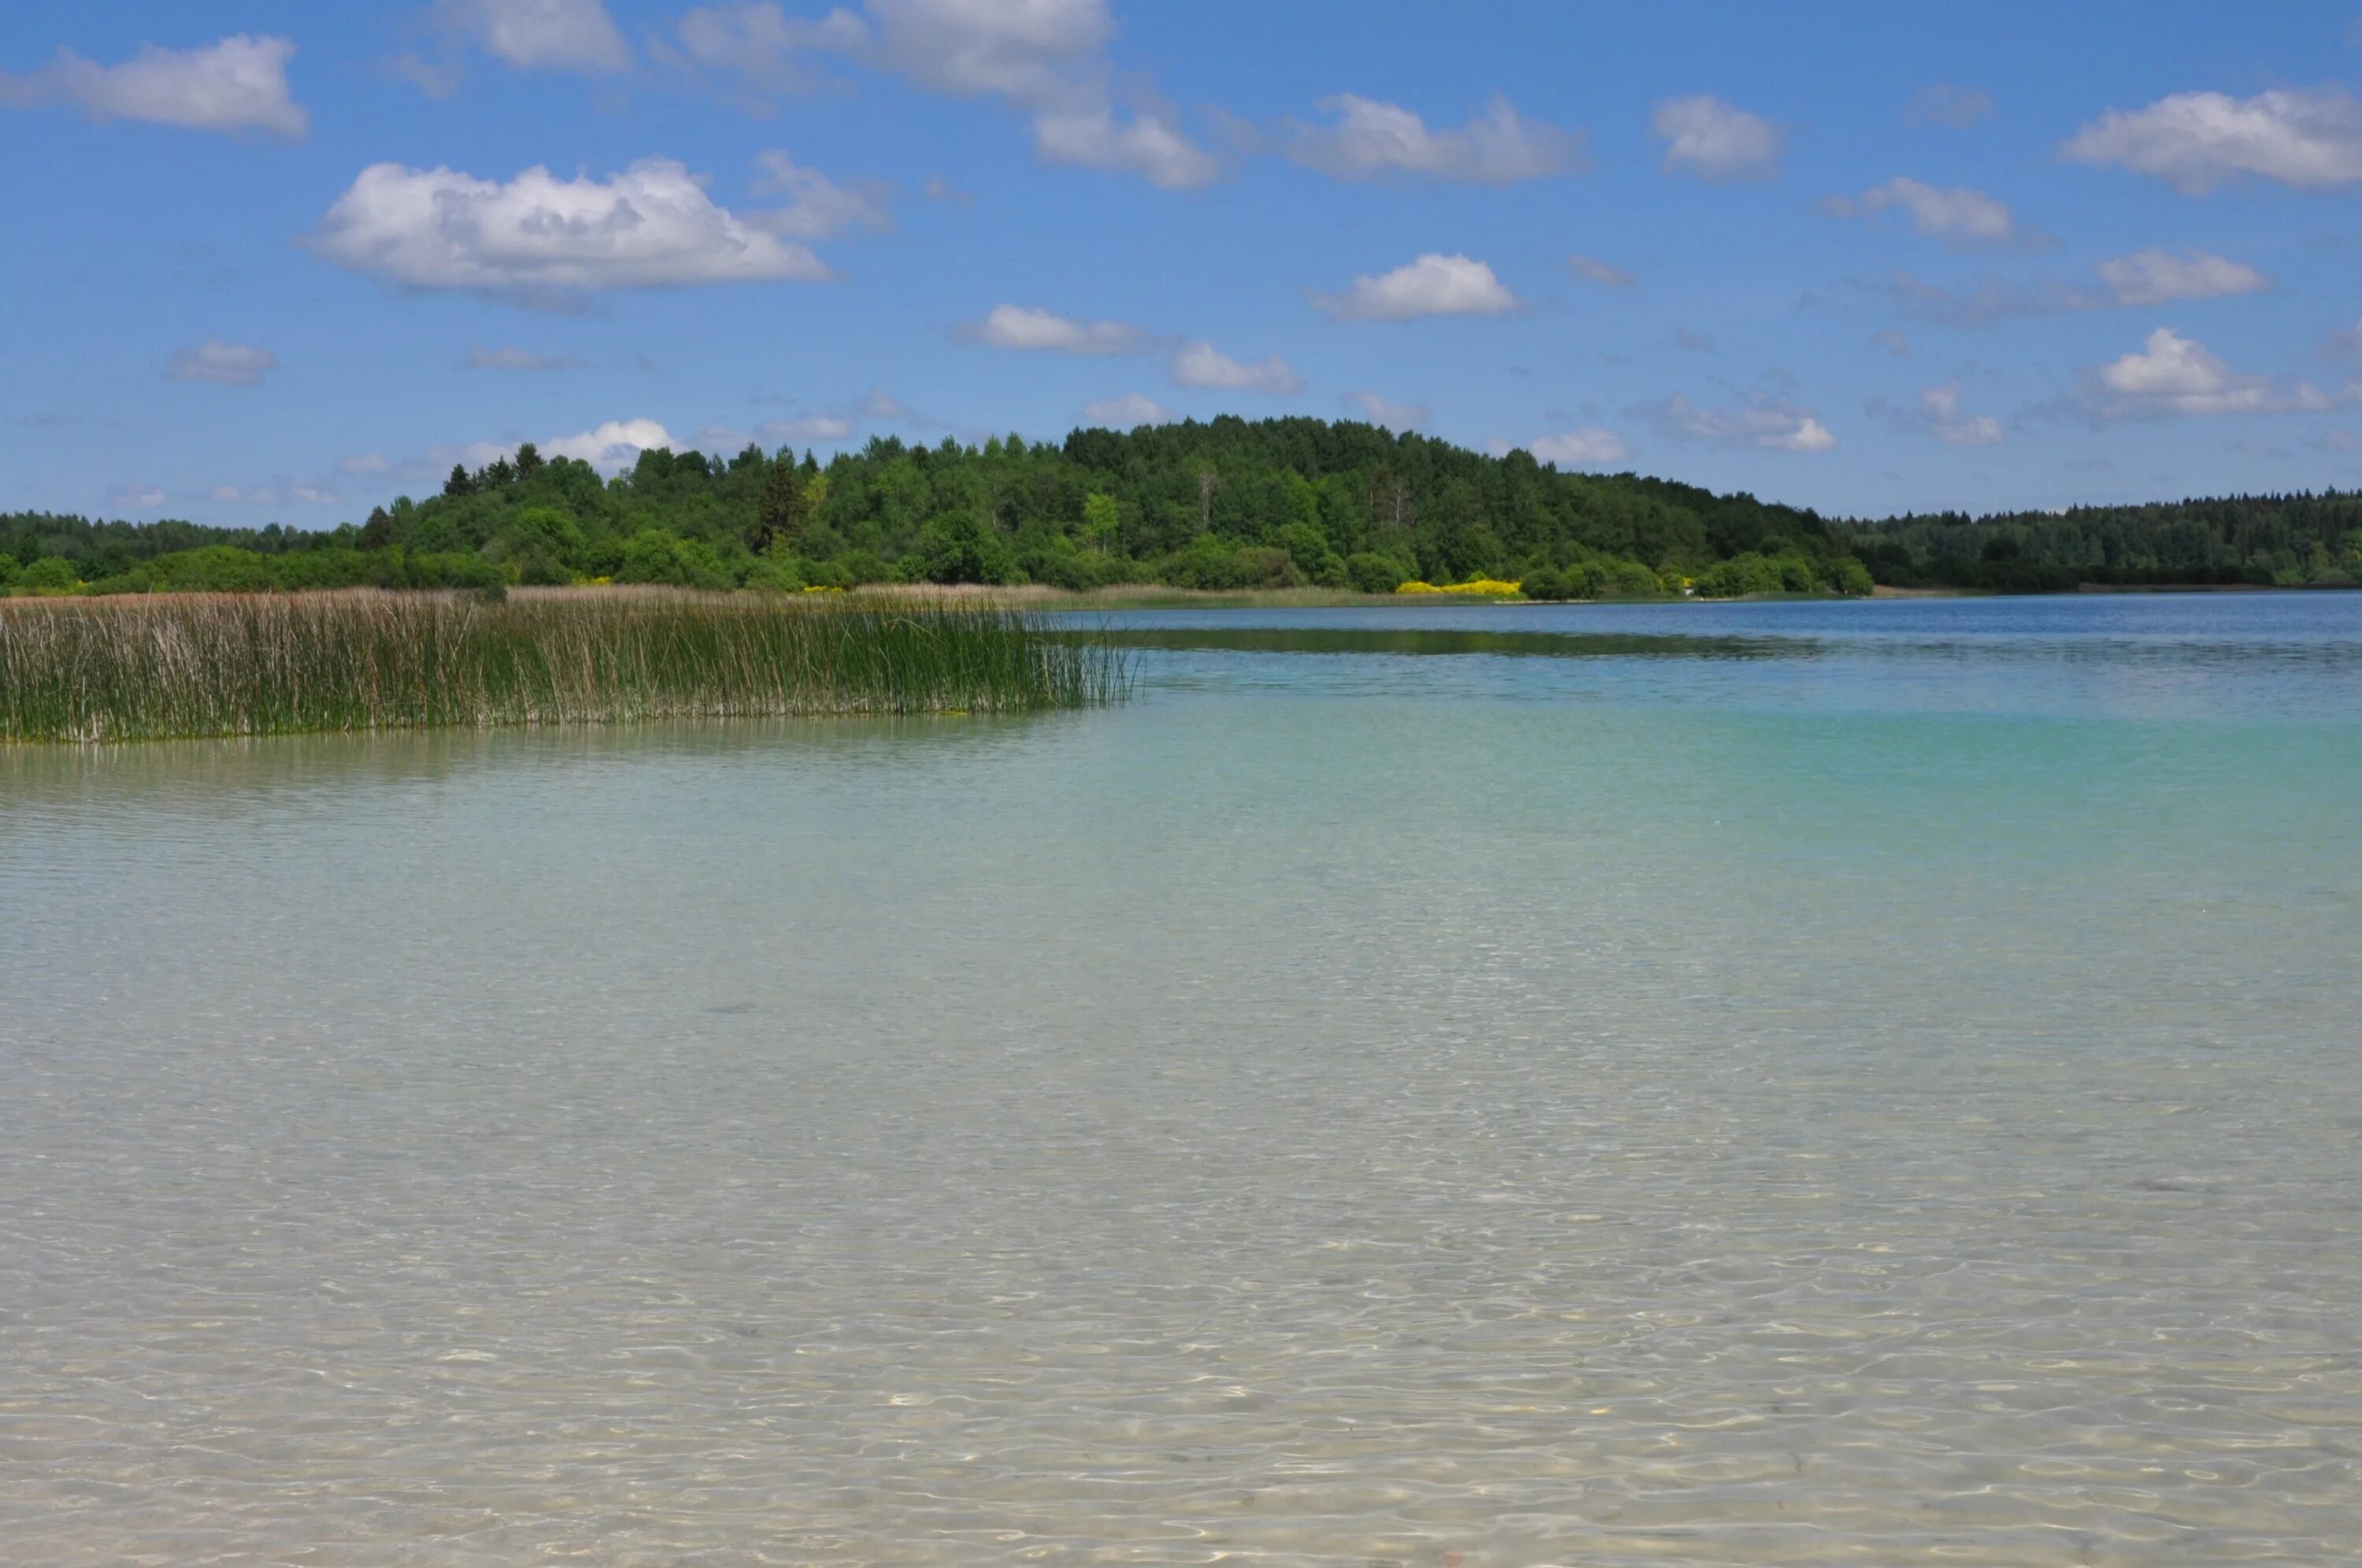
{"type": "Point", "coordinates": [1045, 58]}
{"type": "Point", "coordinates": [222, 364]}
{"type": "Point", "coordinates": [314, 496]}
{"type": "Point", "coordinates": [2157, 277]}
{"type": "Point", "coordinates": [546, 35]}
{"type": "Point", "coordinates": [818, 206]}
{"type": "Point", "coordinates": [1940, 416]}
{"type": "Point", "coordinates": [2175, 375]}
{"type": "Point", "coordinates": [136, 497]}
{"type": "Point", "coordinates": [1586, 446]}
{"type": "Point", "coordinates": [1372, 139]}
{"type": "Point", "coordinates": [543, 239]}
{"type": "Point", "coordinates": [507, 358]}
{"type": "Point", "coordinates": [1773, 423]}
{"type": "Point", "coordinates": [757, 44]}
{"type": "Point", "coordinates": [877, 405]}
{"type": "Point", "coordinates": [2330, 441]}
{"type": "Point", "coordinates": [1431, 285]}
{"type": "Point", "coordinates": [1955, 214]}
{"type": "Point", "coordinates": [612, 447]}
{"type": "Point", "coordinates": [1946, 105]}
{"type": "Point", "coordinates": [807, 429]}
{"type": "Point", "coordinates": [1124, 413]}
{"type": "Point", "coordinates": [1599, 271]}
{"type": "Point", "coordinates": [1202, 365]}
{"type": "Point", "coordinates": [1378, 410]}
{"type": "Point", "coordinates": [1714, 141]}
{"type": "Point", "coordinates": [1031, 327]}
{"type": "Point", "coordinates": [234, 495]}
{"type": "Point", "coordinates": [364, 463]}
{"type": "Point", "coordinates": [2306, 138]}
{"type": "Point", "coordinates": [239, 83]}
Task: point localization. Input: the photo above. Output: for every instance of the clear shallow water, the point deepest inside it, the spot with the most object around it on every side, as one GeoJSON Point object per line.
{"type": "Point", "coordinates": [1891, 1097]}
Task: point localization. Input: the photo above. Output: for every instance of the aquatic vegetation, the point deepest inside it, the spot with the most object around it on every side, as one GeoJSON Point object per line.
{"type": "Point", "coordinates": [1475, 587]}
{"type": "Point", "coordinates": [160, 666]}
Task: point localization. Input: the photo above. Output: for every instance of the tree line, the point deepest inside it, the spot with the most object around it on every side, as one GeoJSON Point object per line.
{"type": "Point", "coordinates": [1226, 505]}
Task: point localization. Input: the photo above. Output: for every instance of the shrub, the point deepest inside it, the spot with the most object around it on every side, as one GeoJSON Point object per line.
{"type": "Point", "coordinates": [51, 574]}
{"type": "Point", "coordinates": [1545, 582]}
{"type": "Point", "coordinates": [1373, 573]}
{"type": "Point", "coordinates": [959, 546]}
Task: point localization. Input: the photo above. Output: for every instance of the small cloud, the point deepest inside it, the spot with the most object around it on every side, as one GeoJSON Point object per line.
{"type": "Point", "coordinates": [507, 358]}
{"type": "Point", "coordinates": [238, 84]}
{"type": "Point", "coordinates": [938, 189]}
{"type": "Point", "coordinates": [2327, 441]}
{"type": "Point", "coordinates": [1947, 104]}
{"type": "Point", "coordinates": [1032, 329]}
{"type": "Point", "coordinates": [1372, 139]}
{"type": "Point", "coordinates": [1431, 285]}
{"type": "Point", "coordinates": [878, 406]}
{"type": "Point", "coordinates": [2159, 277]}
{"type": "Point", "coordinates": [1956, 215]}
{"type": "Point", "coordinates": [236, 495]}
{"type": "Point", "coordinates": [1893, 340]}
{"type": "Point", "coordinates": [221, 364]}
{"type": "Point", "coordinates": [1600, 271]}
{"type": "Point", "coordinates": [1587, 447]}
{"type": "Point", "coordinates": [757, 47]}
{"type": "Point", "coordinates": [1939, 415]}
{"type": "Point", "coordinates": [1396, 417]}
{"type": "Point", "coordinates": [819, 208]}
{"type": "Point", "coordinates": [1773, 423]}
{"type": "Point", "coordinates": [1125, 413]}
{"type": "Point", "coordinates": [314, 496]}
{"type": "Point", "coordinates": [136, 498]}
{"type": "Point", "coordinates": [1201, 365]}
{"type": "Point", "coordinates": [1690, 342]}
{"type": "Point", "coordinates": [1714, 141]}
{"type": "Point", "coordinates": [540, 34]}
{"type": "Point", "coordinates": [364, 463]}
{"type": "Point", "coordinates": [2309, 139]}
{"type": "Point", "coordinates": [806, 430]}
{"type": "Point", "coordinates": [2345, 342]}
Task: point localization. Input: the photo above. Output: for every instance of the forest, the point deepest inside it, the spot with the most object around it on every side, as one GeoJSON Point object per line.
{"type": "Point", "coordinates": [1230, 504]}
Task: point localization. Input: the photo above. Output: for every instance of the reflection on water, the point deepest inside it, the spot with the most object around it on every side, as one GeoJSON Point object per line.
{"type": "Point", "coordinates": [1330, 1110]}
{"type": "Point", "coordinates": [1385, 639]}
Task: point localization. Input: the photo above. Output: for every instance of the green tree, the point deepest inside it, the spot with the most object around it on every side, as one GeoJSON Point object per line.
{"type": "Point", "coordinates": [1102, 522]}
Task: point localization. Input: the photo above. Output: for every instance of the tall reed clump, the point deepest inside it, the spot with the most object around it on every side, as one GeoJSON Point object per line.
{"type": "Point", "coordinates": [141, 669]}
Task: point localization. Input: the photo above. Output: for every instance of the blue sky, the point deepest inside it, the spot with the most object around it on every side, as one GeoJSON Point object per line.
{"type": "Point", "coordinates": [277, 262]}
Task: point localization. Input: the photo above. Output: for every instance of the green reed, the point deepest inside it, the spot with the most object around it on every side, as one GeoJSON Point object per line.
{"type": "Point", "coordinates": [145, 668]}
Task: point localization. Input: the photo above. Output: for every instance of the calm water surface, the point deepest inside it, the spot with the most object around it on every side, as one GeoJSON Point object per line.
{"type": "Point", "coordinates": [1777, 1084]}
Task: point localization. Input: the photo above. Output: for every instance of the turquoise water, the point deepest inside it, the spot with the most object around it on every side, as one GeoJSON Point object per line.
{"type": "Point", "coordinates": [1787, 1083]}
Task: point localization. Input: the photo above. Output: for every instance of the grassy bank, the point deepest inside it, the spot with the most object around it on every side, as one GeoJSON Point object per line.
{"type": "Point", "coordinates": [160, 666]}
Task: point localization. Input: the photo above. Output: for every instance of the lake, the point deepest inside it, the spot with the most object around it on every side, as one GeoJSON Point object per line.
{"type": "Point", "coordinates": [1441, 1087]}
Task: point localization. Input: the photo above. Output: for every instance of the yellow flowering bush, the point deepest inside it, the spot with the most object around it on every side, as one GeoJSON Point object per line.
{"type": "Point", "coordinates": [1475, 587]}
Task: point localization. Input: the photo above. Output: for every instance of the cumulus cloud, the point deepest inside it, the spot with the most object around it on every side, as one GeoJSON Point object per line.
{"type": "Point", "coordinates": [1395, 416]}
{"type": "Point", "coordinates": [817, 208]}
{"type": "Point", "coordinates": [1772, 423]}
{"type": "Point", "coordinates": [1202, 365]}
{"type": "Point", "coordinates": [136, 497]}
{"type": "Point", "coordinates": [238, 84]}
{"type": "Point", "coordinates": [540, 34]}
{"type": "Point", "coordinates": [243, 495]}
{"type": "Point", "coordinates": [1585, 446]}
{"type": "Point", "coordinates": [1944, 103]}
{"type": "Point", "coordinates": [1957, 215]}
{"type": "Point", "coordinates": [507, 358]}
{"type": "Point", "coordinates": [2157, 277]}
{"type": "Point", "coordinates": [2307, 138]}
{"type": "Point", "coordinates": [1598, 272]}
{"type": "Point", "coordinates": [312, 495]}
{"type": "Point", "coordinates": [1370, 139]}
{"type": "Point", "coordinates": [612, 447]}
{"type": "Point", "coordinates": [221, 364]}
{"type": "Point", "coordinates": [1431, 285]}
{"type": "Point", "coordinates": [2171, 374]}
{"type": "Point", "coordinates": [1714, 141]}
{"type": "Point", "coordinates": [1044, 331]}
{"type": "Point", "coordinates": [364, 463]}
{"type": "Point", "coordinates": [541, 240]}
{"type": "Point", "coordinates": [1124, 413]}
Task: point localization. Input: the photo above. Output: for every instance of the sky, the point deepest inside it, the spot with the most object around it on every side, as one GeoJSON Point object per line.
{"type": "Point", "coordinates": [279, 262]}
